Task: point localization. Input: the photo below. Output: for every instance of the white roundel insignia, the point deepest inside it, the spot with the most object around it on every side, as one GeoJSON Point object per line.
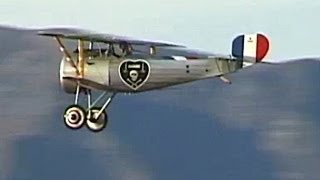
{"type": "Point", "coordinates": [134, 73]}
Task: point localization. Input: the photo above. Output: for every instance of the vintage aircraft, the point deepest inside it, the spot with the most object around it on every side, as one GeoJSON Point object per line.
{"type": "Point", "coordinates": [128, 65]}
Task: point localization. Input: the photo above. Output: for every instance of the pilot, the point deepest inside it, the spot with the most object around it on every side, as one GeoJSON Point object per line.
{"type": "Point", "coordinates": [112, 51]}
{"type": "Point", "coordinates": [126, 49]}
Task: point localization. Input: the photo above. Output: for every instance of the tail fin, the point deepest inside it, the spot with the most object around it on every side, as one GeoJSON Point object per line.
{"type": "Point", "coordinates": [252, 48]}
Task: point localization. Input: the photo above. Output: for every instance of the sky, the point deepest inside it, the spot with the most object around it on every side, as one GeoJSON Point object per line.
{"type": "Point", "coordinates": [204, 24]}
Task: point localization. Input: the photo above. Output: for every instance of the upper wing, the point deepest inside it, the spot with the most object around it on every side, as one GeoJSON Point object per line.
{"type": "Point", "coordinates": [86, 35]}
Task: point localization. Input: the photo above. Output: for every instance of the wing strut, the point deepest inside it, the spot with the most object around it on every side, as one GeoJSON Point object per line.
{"type": "Point", "coordinates": [81, 58]}
{"type": "Point", "coordinates": [79, 65]}
{"type": "Point", "coordinates": [67, 54]}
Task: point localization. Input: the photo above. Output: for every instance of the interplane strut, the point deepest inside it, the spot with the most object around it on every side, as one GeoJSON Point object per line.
{"type": "Point", "coordinates": [67, 54]}
{"type": "Point", "coordinates": [81, 58]}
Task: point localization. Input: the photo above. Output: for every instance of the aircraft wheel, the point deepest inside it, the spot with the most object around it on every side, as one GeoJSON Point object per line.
{"type": "Point", "coordinates": [97, 124]}
{"type": "Point", "coordinates": [74, 117]}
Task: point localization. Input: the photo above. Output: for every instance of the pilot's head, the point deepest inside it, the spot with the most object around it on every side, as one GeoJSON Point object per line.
{"type": "Point", "coordinates": [126, 48]}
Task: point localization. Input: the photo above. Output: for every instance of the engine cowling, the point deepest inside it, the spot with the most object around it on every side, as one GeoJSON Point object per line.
{"type": "Point", "coordinates": [68, 85]}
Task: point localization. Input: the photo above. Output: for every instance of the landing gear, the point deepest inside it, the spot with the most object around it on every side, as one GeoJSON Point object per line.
{"type": "Point", "coordinates": [95, 118]}
{"type": "Point", "coordinates": [96, 122]}
{"type": "Point", "coordinates": [74, 116]}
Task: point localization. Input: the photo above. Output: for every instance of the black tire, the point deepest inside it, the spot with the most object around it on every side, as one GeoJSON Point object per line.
{"type": "Point", "coordinates": [97, 125]}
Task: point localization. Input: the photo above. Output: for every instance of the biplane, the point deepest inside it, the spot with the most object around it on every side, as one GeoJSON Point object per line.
{"type": "Point", "coordinates": [112, 64]}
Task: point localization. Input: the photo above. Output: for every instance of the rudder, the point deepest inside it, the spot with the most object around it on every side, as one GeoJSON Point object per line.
{"type": "Point", "coordinates": [250, 47]}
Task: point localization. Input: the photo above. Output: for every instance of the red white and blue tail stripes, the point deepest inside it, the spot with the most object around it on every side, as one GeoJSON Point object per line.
{"type": "Point", "coordinates": [253, 47]}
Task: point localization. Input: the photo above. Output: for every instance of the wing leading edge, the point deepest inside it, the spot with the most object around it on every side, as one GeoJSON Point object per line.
{"type": "Point", "coordinates": [85, 35]}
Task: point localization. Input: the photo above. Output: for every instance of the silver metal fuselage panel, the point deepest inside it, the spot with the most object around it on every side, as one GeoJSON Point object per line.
{"type": "Point", "coordinates": [104, 73]}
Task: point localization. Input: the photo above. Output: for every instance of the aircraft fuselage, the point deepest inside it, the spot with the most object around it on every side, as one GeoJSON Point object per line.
{"type": "Point", "coordinates": [132, 75]}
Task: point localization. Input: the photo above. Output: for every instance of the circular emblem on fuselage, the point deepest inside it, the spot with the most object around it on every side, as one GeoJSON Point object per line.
{"type": "Point", "coordinates": [134, 73]}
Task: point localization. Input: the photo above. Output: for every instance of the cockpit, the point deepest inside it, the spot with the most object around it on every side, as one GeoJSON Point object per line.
{"type": "Point", "coordinates": [118, 50]}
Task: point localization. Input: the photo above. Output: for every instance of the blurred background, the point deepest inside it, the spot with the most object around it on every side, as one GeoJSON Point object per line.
{"type": "Point", "coordinates": [263, 126]}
